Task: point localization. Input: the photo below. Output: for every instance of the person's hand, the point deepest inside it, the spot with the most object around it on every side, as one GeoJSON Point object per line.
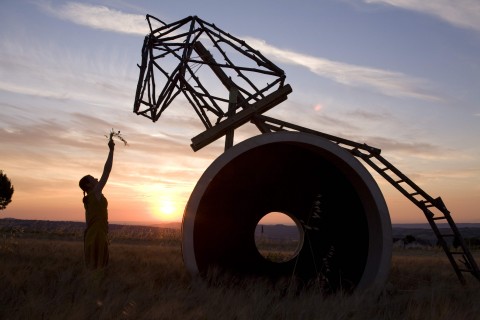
{"type": "Point", "coordinates": [111, 144]}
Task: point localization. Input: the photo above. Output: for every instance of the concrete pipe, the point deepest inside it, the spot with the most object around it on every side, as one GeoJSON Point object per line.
{"type": "Point", "coordinates": [347, 233]}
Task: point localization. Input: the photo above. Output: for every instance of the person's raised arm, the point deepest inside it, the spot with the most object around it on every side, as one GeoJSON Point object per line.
{"type": "Point", "coordinates": [106, 170]}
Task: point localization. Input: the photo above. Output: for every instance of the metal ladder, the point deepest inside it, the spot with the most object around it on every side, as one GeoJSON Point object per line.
{"type": "Point", "coordinates": [461, 259]}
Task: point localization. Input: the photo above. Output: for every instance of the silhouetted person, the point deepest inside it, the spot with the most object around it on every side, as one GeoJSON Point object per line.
{"type": "Point", "coordinates": [96, 215]}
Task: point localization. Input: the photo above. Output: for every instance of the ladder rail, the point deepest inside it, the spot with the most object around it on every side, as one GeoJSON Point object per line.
{"type": "Point", "coordinates": [434, 202]}
{"type": "Point", "coordinates": [446, 249]}
{"type": "Point", "coordinates": [366, 153]}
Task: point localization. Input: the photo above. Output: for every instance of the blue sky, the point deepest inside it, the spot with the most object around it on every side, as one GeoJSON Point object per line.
{"type": "Point", "coordinates": [400, 75]}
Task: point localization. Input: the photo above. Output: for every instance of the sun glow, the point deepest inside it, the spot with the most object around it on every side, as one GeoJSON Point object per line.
{"type": "Point", "coordinates": [163, 203]}
{"type": "Point", "coordinates": [166, 209]}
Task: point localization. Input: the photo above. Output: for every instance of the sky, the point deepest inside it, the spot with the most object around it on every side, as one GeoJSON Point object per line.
{"type": "Point", "coordinates": [399, 75]}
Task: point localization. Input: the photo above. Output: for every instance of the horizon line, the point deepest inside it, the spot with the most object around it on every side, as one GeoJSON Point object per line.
{"type": "Point", "coordinates": [154, 222]}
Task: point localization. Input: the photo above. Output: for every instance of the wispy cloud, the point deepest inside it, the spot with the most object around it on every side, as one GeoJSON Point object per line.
{"type": "Point", "coordinates": [389, 83]}
{"type": "Point", "coordinates": [460, 13]}
{"type": "Point", "coordinates": [361, 114]}
{"type": "Point", "coordinates": [99, 17]}
{"type": "Point", "coordinates": [20, 89]}
{"type": "Point", "coordinates": [414, 148]}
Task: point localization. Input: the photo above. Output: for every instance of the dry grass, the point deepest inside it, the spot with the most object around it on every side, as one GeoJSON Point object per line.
{"type": "Point", "coordinates": [45, 279]}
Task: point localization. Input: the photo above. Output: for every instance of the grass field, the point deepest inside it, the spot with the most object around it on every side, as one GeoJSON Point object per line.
{"type": "Point", "coordinates": [42, 277]}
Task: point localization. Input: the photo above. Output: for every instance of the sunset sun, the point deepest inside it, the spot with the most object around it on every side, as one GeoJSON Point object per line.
{"type": "Point", "coordinates": [165, 209]}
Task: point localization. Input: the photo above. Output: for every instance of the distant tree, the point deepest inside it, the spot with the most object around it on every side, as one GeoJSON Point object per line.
{"type": "Point", "coordinates": [6, 190]}
{"type": "Point", "coordinates": [408, 239]}
{"type": "Point", "coordinates": [472, 243]}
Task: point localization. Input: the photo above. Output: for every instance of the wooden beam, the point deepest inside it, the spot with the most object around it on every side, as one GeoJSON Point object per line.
{"type": "Point", "coordinates": [231, 111]}
{"type": "Point", "coordinates": [206, 56]}
{"type": "Point", "coordinates": [240, 118]}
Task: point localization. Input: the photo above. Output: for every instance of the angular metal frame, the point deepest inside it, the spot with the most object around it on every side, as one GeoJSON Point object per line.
{"type": "Point", "coordinates": [259, 84]}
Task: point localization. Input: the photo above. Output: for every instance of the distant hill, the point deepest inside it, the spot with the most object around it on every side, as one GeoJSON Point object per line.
{"type": "Point", "coordinates": [71, 230]}
{"type": "Point", "coordinates": [277, 231]}
{"type": "Point", "coordinates": [426, 234]}
{"type": "Point", "coordinates": [422, 232]}
{"type": "Point", "coordinates": [170, 225]}
{"type": "Point", "coordinates": [427, 226]}
{"type": "Point", "coordinates": [75, 230]}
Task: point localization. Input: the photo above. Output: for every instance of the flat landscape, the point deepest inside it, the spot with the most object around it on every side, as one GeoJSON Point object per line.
{"type": "Point", "coordinates": [42, 277]}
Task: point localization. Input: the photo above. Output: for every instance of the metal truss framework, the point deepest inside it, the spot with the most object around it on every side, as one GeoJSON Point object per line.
{"type": "Point", "coordinates": [250, 81]}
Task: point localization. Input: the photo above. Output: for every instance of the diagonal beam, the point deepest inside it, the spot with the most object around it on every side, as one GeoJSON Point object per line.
{"type": "Point", "coordinates": [240, 118]}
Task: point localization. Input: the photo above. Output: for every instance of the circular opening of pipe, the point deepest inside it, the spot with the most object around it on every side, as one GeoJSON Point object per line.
{"type": "Point", "coordinates": [278, 237]}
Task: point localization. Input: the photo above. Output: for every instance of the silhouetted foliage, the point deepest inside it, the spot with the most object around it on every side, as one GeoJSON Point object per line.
{"type": "Point", "coordinates": [6, 190]}
{"type": "Point", "coordinates": [470, 242]}
{"type": "Point", "coordinates": [409, 239]}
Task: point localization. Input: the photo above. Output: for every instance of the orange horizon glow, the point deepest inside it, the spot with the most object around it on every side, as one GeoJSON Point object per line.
{"type": "Point", "coordinates": [158, 192]}
{"type": "Point", "coordinates": [166, 205]}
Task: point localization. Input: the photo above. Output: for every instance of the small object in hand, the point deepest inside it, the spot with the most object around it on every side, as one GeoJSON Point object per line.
{"type": "Point", "coordinates": [117, 135]}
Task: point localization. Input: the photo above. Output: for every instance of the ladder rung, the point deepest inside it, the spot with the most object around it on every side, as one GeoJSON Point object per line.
{"type": "Point", "coordinates": [439, 218]}
{"type": "Point", "coordinates": [414, 194]}
{"type": "Point", "coordinates": [465, 270]}
{"type": "Point", "coordinates": [400, 181]}
{"type": "Point", "coordinates": [426, 203]}
{"type": "Point", "coordinates": [385, 169]}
